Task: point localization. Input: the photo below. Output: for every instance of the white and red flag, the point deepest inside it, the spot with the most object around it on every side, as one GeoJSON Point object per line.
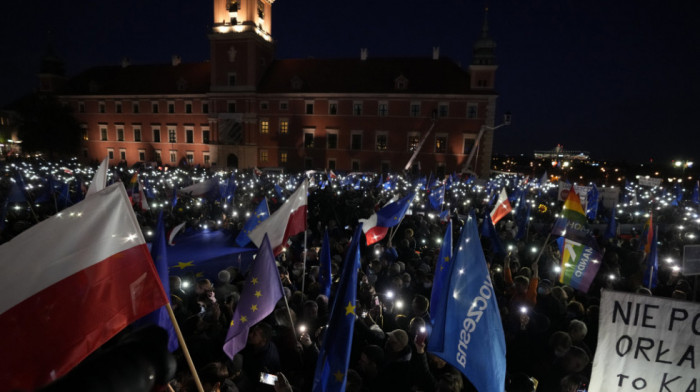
{"type": "Point", "coordinates": [502, 207]}
{"type": "Point", "coordinates": [69, 284]}
{"type": "Point", "coordinates": [288, 220]}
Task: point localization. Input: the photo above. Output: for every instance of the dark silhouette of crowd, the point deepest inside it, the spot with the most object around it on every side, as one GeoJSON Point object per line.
{"type": "Point", "coordinates": [550, 329]}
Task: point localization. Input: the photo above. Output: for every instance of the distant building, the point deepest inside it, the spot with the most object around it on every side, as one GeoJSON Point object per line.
{"type": "Point", "coordinates": [245, 108]}
{"type": "Point", "coordinates": [558, 153]}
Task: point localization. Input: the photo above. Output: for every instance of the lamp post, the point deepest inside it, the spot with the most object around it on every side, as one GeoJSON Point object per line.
{"type": "Point", "coordinates": [506, 121]}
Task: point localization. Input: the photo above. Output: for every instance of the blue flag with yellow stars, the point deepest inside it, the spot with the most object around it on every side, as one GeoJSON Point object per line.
{"type": "Point", "coordinates": [261, 291]}
{"type": "Point", "coordinates": [324, 275]}
{"type": "Point", "coordinates": [442, 270]}
{"type": "Point", "coordinates": [261, 213]}
{"type": "Point", "coordinates": [334, 356]}
{"type": "Point", "coordinates": [468, 333]}
{"type": "Point", "coordinates": [437, 197]}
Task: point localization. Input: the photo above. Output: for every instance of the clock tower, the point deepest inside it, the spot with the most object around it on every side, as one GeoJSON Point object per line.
{"type": "Point", "coordinates": [241, 44]}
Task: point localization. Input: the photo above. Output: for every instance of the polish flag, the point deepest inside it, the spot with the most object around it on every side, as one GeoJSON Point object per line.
{"type": "Point", "coordinates": [376, 226]}
{"type": "Point", "coordinates": [502, 207]}
{"type": "Point", "coordinates": [288, 220]}
{"type": "Point", "coordinates": [173, 232]}
{"type": "Point", "coordinates": [99, 180]}
{"type": "Point", "coordinates": [71, 283]}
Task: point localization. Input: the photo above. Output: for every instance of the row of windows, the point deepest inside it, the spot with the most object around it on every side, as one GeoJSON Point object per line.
{"type": "Point", "coordinates": [136, 107]}
{"type": "Point", "coordinates": [172, 156]}
{"type": "Point", "coordinates": [381, 142]}
{"type": "Point", "coordinates": [155, 135]}
{"type": "Point", "coordinates": [443, 109]}
{"type": "Point", "coordinates": [264, 157]}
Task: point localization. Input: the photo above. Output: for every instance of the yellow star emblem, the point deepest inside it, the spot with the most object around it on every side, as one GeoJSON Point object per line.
{"type": "Point", "coordinates": [258, 294]}
{"type": "Point", "coordinates": [199, 274]}
{"type": "Point", "coordinates": [447, 258]}
{"type": "Point", "coordinates": [232, 323]}
{"type": "Point", "coordinates": [254, 281]}
{"type": "Point", "coordinates": [182, 265]}
{"type": "Point", "coordinates": [244, 319]}
{"type": "Point", "coordinates": [254, 308]}
{"type": "Point", "coordinates": [350, 309]}
{"type": "Point", "coordinates": [339, 376]}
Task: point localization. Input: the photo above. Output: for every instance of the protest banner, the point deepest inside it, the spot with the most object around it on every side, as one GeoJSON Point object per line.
{"type": "Point", "coordinates": [581, 191]}
{"type": "Point", "coordinates": [646, 344]}
{"type": "Point", "coordinates": [650, 181]}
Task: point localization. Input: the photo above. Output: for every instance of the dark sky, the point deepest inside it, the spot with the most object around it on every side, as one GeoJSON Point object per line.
{"type": "Point", "coordinates": [620, 79]}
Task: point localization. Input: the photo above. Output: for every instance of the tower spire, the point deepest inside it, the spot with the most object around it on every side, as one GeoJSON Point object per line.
{"type": "Point", "coordinates": [484, 48]}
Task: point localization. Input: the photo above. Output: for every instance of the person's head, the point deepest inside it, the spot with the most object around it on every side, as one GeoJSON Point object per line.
{"type": "Point", "coordinates": [203, 285]}
{"type": "Point", "coordinates": [175, 282]}
{"type": "Point", "coordinates": [212, 376]}
{"type": "Point", "coordinates": [396, 341]}
{"type": "Point", "coordinates": [449, 381]}
{"type": "Point", "coordinates": [420, 305]}
{"type": "Point", "coordinates": [370, 361]}
{"type": "Point", "coordinates": [310, 310]}
{"type": "Point", "coordinates": [415, 326]}
{"type": "Point", "coordinates": [575, 360]}
{"type": "Point", "coordinates": [354, 381]}
{"type": "Point", "coordinates": [560, 343]}
{"type": "Point", "coordinates": [559, 294]}
{"type": "Point", "coordinates": [577, 330]}
{"type": "Point", "coordinates": [259, 335]}
{"type": "Point", "coordinates": [224, 277]}
{"type": "Point", "coordinates": [544, 287]}
{"type": "Point", "coordinates": [520, 284]}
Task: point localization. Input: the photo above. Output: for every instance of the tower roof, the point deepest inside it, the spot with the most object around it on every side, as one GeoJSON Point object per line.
{"type": "Point", "coordinates": [484, 48]}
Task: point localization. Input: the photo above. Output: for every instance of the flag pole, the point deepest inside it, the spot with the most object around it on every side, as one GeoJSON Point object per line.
{"type": "Point", "coordinates": [289, 313]}
{"type": "Point", "coordinates": [185, 351]}
{"type": "Point", "coordinates": [544, 245]}
{"type": "Point", "coordinates": [303, 270]}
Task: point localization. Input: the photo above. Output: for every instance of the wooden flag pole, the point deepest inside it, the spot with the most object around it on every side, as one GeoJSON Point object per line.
{"type": "Point", "coordinates": [185, 351]}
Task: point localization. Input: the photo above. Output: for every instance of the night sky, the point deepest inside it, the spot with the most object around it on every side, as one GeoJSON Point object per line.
{"type": "Point", "coordinates": [620, 79]}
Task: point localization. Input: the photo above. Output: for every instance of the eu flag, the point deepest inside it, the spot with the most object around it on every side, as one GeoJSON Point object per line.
{"type": "Point", "coordinates": [324, 276]}
{"type": "Point", "coordinates": [261, 213]}
{"type": "Point", "coordinates": [468, 333]}
{"type": "Point", "coordinates": [160, 317]}
{"type": "Point", "coordinates": [261, 291]}
{"type": "Point", "coordinates": [437, 197]}
{"type": "Point", "coordinates": [489, 231]}
{"type": "Point", "coordinates": [334, 355]}
{"type": "Point", "coordinates": [440, 280]}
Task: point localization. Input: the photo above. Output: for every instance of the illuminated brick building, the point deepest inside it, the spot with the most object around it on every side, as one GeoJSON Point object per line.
{"type": "Point", "coordinates": [244, 108]}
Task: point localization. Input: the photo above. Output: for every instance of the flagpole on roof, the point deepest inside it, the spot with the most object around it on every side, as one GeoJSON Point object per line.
{"type": "Point", "coordinates": [185, 351]}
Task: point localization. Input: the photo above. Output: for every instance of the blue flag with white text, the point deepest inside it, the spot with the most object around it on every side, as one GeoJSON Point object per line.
{"type": "Point", "coordinates": [468, 333]}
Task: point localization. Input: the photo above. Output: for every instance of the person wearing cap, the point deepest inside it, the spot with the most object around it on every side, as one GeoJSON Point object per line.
{"type": "Point", "coordinates": [397, 373]}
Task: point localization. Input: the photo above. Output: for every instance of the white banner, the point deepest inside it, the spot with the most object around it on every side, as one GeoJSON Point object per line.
{"type": "Point", "coordinates": [650, 181]}
{"type": "Point", "coordinates": [581, 191]}
{"type": "Point", "coordinates": [646, 344]}
{"type": "Point", "coordinates": [611, 196]}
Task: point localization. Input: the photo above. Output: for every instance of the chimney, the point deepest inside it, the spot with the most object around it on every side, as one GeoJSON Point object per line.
{"type": "Point", "coordinates": [125, 62]}
{"type": "Point", "coordinates": [363, 54]}
{"type": "Point", "coordinates": [436, 52]}
{"type": "Point", "coordinates": [176, 60]}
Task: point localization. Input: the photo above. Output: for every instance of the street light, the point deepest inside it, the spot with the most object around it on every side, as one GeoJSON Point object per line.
{"type": "Point", "coordinates": [506, 121]}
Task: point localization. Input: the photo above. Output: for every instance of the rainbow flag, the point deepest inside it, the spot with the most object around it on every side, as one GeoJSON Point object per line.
{"type": "Point", "coordinates": [572, 216]}
{"type": "Point", "coordinates": [580, 262]}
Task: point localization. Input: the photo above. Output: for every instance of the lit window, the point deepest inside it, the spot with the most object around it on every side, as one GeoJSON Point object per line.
{"type": "Point", "coordinates": [283, 157]}
{"type": "Point", "coordinates": [440, 144]}
{"type": "Point", "coordinates": [263, 155]}
{"type": "Point", "coordinates": [284, 127]}
{"type": "Point", "coordinates": [413, 141]}
{"type": "Point", "coordinates": [381, 142]}
{"type": "Point", "coordinates": [264, 126]}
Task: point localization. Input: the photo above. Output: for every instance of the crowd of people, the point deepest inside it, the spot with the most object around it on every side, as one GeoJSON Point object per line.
{"type": "Point", "coordinates": [550, 329]}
